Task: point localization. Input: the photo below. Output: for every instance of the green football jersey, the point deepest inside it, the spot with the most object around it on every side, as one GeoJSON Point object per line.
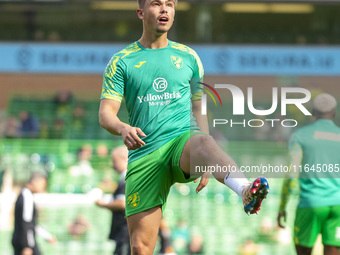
{"type": "Point", "coordinates": [158, 86]}
{"type": "Point", "coordinates": [320, 176]}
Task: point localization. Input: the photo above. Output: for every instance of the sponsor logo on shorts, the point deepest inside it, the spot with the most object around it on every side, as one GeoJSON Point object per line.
{"type": "Point", "coordinates": [133, 200]}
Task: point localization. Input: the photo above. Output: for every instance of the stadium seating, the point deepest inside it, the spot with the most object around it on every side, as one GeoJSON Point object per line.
{"type": "Point", "coordinates": [216, 213]}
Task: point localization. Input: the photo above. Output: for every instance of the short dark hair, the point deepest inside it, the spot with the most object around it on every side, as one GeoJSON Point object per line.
{"type": "Point", "coordinates": [142, 2]}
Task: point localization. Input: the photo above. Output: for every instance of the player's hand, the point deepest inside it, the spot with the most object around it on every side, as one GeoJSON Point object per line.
{"type": "Point", "coordinates": [204, 181]}
{"type": "Point", "coordinates": [53, 240]}
{"type": "Point", "coordinates": [281, 220]}
{"type": "Point", "coordinates": [27, 251]}
{"type": "Point", "coordinates": [99, 203]}
{"type": "Point", "coordinates": [131, 138]}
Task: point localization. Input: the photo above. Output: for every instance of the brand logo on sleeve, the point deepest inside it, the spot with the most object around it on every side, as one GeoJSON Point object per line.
{"type": "Point", "coordinates": [160, 84]}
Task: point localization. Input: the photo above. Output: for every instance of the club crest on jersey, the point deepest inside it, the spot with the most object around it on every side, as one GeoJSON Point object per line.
{"type": "Point", "coordinates": [133, 200]}
{"type": "Point", "coordinates": [177, 62]}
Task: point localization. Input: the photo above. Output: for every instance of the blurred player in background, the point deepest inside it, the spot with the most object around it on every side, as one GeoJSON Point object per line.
{"type": "Point", "coordinates": [119, 229]}
{"type": "Point", "coordinates": [165, 239]}
{"type": "Point", "coordinates": [316, 145]}
{"type": "Point", "coordinates": [159, 80]}
{"type": "Point", "coordinates": [25, 221]}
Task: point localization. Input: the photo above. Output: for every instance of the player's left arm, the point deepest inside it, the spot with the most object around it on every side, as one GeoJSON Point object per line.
{"type": "Point", "coordinates": [201, 120]}
{"type": "Point", "coordinates": [196, 102]}
{"type": "Point", "coordinates": [202, 123]}
{"type": "Point", "coordinates": [197, 92]}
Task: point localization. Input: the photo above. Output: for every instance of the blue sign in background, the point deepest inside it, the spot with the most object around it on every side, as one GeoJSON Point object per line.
{"type": "Point", "coordinates": [217, 60]}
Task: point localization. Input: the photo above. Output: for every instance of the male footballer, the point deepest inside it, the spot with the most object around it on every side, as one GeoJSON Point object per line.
{"type": "Point", "coordinates": [167, 135]}
{"type": "Point", "coordinates": [314, 149]}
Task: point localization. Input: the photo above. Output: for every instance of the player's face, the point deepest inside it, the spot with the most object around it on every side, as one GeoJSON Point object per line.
{"type": "Point", "coordinates": [40, 185]}
{"type": "Point", "coordinates": [158, 15]}
{"type": "Point", "coordinates": [119, 162]}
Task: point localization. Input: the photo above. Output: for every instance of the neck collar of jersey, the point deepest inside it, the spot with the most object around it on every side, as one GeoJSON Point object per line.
{"type": "Point", "coordinates": [143, 48]}
{"type": "Point", "coordinates": [325, 121]}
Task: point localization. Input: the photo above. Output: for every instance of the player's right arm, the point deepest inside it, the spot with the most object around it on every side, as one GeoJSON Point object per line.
{"type": "Point", "coordinates": [108, 120]}
{"type": "Point", "coordinates": [295, 155]}
{"type": "Point", "coordinates": [112, 94]}
{"type": "Point", "coordinates": [287, 185]}
{"type": "Point", "coordinates": [115, 205]}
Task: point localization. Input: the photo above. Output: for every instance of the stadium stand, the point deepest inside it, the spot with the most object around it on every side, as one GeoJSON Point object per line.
{"type": "Point", "coordinates": [217, 207]}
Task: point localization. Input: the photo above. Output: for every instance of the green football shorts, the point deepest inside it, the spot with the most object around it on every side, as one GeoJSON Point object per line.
{"type": "Point", "coordinates": [309, 222]}
{"type": "Point", "coordinates": [149, 178]}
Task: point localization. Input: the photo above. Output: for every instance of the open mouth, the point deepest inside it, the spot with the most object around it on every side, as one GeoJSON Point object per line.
{"type": "Point", "coordinates": [163, 20]}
